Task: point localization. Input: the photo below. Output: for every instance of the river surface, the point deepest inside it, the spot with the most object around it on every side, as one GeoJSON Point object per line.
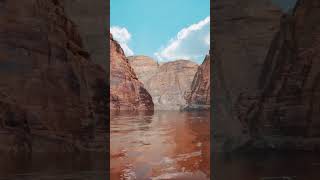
{"type": "Point", "coordinates": [53, 166]}
{"type": "Point", "coordinates": [267, 166]}
{"type": "Point", "coordinates": [160, 145]}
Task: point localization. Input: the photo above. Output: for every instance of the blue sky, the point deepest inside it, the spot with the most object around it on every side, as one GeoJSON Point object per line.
{"type": "Point", "coordinates": [151, 27]}
{"type": "Point", "coordinates": [166, 29]}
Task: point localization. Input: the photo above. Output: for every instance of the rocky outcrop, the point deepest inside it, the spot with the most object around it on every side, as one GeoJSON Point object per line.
{"type": "Point", "coordinates": [167, 82]}
{"type": "Point", "coordinates": [285, 113]}
{"type": "Point", "coordinates": [199, 96]}
{"type": "Point", "coordinates": [126, 91]}
{"type": "Point", "coordinates": [91, 20]}
{"type": "Point", "coordinates": [243, 31]}
{"type": "Point", "coordinates": [144, 66]}
{"type": "Point", "coordinates": [52, 95]}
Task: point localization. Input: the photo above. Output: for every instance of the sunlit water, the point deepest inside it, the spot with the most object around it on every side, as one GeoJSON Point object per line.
{"type": "Point", "coordinates": [160, 145]}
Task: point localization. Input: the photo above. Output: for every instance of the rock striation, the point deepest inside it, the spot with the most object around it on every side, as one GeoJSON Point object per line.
{"type": "Point", "coordinates": [52, 94]}
{"type": "Point", "coordinates": [144, 66]}
{"type": "Point", "coordinates": [199, 96]}
{"type": "Point", "coordinates": [285, 113]}
{"type": "Point", "coordinates": [91, 20]}
{"type": "Point", "coordinates": [242, 34]}
{"type": "Point", "coordinates": [167, 82]}
{"type": "Point", "coordinates": [126, 91]}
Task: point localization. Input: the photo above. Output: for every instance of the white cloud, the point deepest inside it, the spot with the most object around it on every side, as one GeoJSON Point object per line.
{"type": "Point", "coordinates": [123, 36]}
{"type": "Point", "coordinates": [192, 42]}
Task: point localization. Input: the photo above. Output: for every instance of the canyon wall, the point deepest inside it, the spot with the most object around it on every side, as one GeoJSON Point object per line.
{"type": "Point", "coordinates": [167, 82]}
{"type": "Point", "coordinates": [126, 91]}
{"type": "Point", "coordinates": [270, 101]}
{"type": "Point", "coordinates": [199, 96]}
{"type": "Point", "coordinates": [144, 66]}
{"type": "Point", "coordinates": [242, 32]}
{"type": "Point", "coordinates": [285, 114]}
{"type": "Point", "coordinates": [52, 94]}
{"type": "Point", "coordinates": [91, 18]}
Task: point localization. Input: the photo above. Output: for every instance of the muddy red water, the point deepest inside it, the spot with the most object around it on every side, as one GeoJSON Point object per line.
{"type": "Point", "coordinates": [160, 145]}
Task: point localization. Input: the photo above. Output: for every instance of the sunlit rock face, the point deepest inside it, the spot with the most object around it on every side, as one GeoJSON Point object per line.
{"type": "Point", "coordinates": [286, 112]}
{"type": "Point", "coordinates": [167, 82]}
{"type": "Point", "coordinates": [242, 34]}
{"type": "Point", "coordinates": [52, 94]}
{"type": "Point", "coordinates": [126, 91]}
{"type": "Point", "coordinates": [199, 96]}
{"type": "Point", "coordinates": [144, 66]}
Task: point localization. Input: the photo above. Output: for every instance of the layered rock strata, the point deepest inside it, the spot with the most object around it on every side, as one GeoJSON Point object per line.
{"type": "Point", "coordinates": [167, 82]}
{"type": "Point", "coordinates": [52, 95]}
{"type": "Point", "coordinates": [199, 96]}
{"type": "Point", "coordinates": [242, 34]}
{"type": "Point", "coordinates": [285, 113]}
{"type": "Point", "coordinates": [126, 91]}
{"type": "Point", "coordinates": [144, 66]}
{"type": "Point", "coordinates": [91, 20]}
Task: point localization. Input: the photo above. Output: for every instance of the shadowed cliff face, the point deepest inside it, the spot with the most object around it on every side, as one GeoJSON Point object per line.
{"type": "Point", "coordinates": [167, 83]}
{"type": "Point", "coordinates": [199, 96]}
{"type": "Point", "coordinates": [126, 91]}
{"type": "Point", "coordinates": [242, 31]}
{"type": "Point", "coordinates": [52, 94]}
{"type": "Point", "coordinates": [288, 105]}
{"type": "Point", "coordinates": [91, 20]}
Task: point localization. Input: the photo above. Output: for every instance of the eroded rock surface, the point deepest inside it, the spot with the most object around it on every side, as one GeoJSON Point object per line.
{"type": "Point", "coordinates": [167, 82]}
{"type": "Point", "coordinates": [285, 114]}
{"type": "Point", "coordinates": [199, 96]}
{"type": "Point", "coordinates": [242, 34]}
{"type": "Point", "coordinates": [144, 66]}
{"type": "Point", "coordinates": [91, 20]}
{"type": "Point", "coordinates": [126, 91]}
{"type": "Point", "coordinates": [52, 95]}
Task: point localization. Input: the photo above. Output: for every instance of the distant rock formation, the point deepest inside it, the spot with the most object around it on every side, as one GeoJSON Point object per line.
{"type": "Point", "coordinates": [144, 66]}
{"type": "Point", "coordinates": [52, 96]}
{"type": "Point", "coordinates": [126, 91]}
{"type": "Point", "coordinates": [167, 82]}
{"type": "Point", "coordinates": [243, 31]}
{"type": "Point", "coordinates": [285, 113]}
{"type": "Point", "coordinates": [199, 96]}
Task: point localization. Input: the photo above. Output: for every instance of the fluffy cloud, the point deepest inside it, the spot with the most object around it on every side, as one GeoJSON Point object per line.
{"type": "Point", "coordinates": [123, 36]}
{"type": "Point", "coordinates": [191, 43]}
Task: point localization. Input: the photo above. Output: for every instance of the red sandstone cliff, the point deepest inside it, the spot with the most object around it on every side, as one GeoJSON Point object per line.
{"type": "Point", "coordinates": [287, 106]}
{"type": "Point", "coordinates": [243, 32]}
{"type": "Point", "coordinates": [52, 94]}
{"type": "Point", "coordinates": [199, 96]}
{"type": "Point", "coordinates": [167, 83]}
{"type": "Point", "coordinates": [126, 91]}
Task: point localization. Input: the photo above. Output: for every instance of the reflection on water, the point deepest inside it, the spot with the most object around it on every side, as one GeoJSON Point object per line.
{"type": "Point", "coordinates": [160, 145]}
{"type": "Point", "coordinates": [267, 166]}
